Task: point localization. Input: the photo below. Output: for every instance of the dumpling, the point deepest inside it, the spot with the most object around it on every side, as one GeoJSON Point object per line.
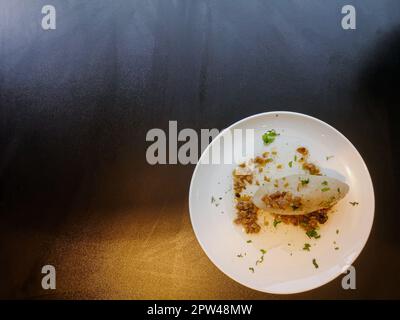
{"type": "Point", "coordinates": [299, 194]}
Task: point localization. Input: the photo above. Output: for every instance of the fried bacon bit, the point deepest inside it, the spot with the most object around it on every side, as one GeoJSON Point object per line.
{"type": "Point", "coordinates": [247, 215]}
{"type": "Point", "coordinates": [308, 221]}
{"type": "Point", "coordinates": [311, 168]}
{"type": "Point", "coordinates": [308, 166]}
{"type": "Point", "coordinates": [282, 200]}
{"type": "Point", "coordinates": [303, 151]}
{"type": "Point", "coordinates": [240, 182]}
{"type": "Point", "coordinates": [261, 162]}
{"type": "Point", "coordinates": [241, 177]}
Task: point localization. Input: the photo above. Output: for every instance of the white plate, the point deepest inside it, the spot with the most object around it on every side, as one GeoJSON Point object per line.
{"type": "Point", "coordinates": [286, 267]}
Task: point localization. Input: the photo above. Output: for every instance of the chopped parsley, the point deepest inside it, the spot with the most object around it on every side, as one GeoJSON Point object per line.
{"type": "Point", "coordinates": [313, 234]}
{"type": "Point", "coordinates": [249, 241]}
{"type": "Point", "coordinates": [295, 157]}
{"type": "Point", "coordinates": [263, 251]}
{"type": "Point", "coordinates": [212, 199]}
{"type": "Point", "coordinates": [239, 255]}
{"type": "Point", "coordinates": [338, 190]}
{"type": "Point", "coordinates": [315, 263]}
{"type": "Point", "coordinates": [336, 248]}
{"type": "Point", "coordinates": [290, 163]}
{"type": "Point", "coordinates": [324, 183]}
{"type": "Point", "coordinates": [354, 203]}
{"type": "Point", "coordinates": [304, 181]}
{"type": "Point", "coordinates": [276, 222]}
{"type": "Point", "coordinates": [329, 157]}
{"type": "Point", "coordinates": [251, 269]}
{"type": "Point", "coordinates": [260, 260]}
{"type": "Point", "coordinates": [269, 136]}
{"type": "Point", "coordinates": [325, 189]}
{"type": "Point", "coordinates": [337, 231]}
{"type": "Point", "coordinates": [307, 247]}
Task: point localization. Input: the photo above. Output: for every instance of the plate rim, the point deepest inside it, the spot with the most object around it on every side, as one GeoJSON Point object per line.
{"type": "Point", "coordinates": [298, 114]}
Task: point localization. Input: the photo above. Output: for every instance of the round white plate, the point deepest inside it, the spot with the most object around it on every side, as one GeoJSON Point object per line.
{"type": "Point", "coordinates": [285, 267]}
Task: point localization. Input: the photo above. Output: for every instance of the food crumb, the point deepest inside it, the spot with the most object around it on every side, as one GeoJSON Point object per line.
{"type": "Point", "coordinates": [315, 263]}
{"type": "Point", "coordinates": [302, 150]}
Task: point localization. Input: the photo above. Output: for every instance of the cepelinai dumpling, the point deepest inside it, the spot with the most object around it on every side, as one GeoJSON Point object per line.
{"type": "Point", "coordinates": [299, 194]}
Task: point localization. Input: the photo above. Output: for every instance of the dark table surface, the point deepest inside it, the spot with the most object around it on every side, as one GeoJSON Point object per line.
{"type": "Point", "coordinates": [76, 104]}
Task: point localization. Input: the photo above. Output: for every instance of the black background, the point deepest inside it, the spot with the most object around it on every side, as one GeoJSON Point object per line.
{"type": "Point", "coordinates": [76, 104]}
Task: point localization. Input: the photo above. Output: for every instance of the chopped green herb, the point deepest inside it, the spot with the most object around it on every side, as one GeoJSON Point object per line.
{"type": "Point", "coordinates": [249, 241]}
{"type": "Point", "coordinates": [354, 203]}
{"type": "Point", "coordinates": [313, 234]}
{"type": "Point", "coordinates": [263, 251]}
{"type": "Point", "coordinates": [269, 136]}
{"type": "Point", "coordinates": [295, 158]}
{"type": "Point", "coordinates": [324, 183]}
{"type": "Point", "coordinates": [305, 181]}
{"type": "Point", "coordinates": [260, 260]}
{"type": "Point", "coordinates": [290, 163]}
{"type": "Point", "coordinates": [337, 231]}
{"type": "Point", "coordinates": [276, 222]}
{"type": "Point", "coordinates": [307, 247]}
{"type": "Point", "coordinates": [329, 157]}
{"type": "Point", "coordinates": [325, 189]}
{"type": "Point", "coordinates": [338, 190]}
{"type": "Point", "coordinates": [239, 255]}
{"type": "Point", "coordinates": [315, 264]}
{"type": "Point", "coordinates": [251, 269]}
{"type": "Point", "coordinates": [212, 199]}
{"type": "Point", "coordinates": [336, 248]}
